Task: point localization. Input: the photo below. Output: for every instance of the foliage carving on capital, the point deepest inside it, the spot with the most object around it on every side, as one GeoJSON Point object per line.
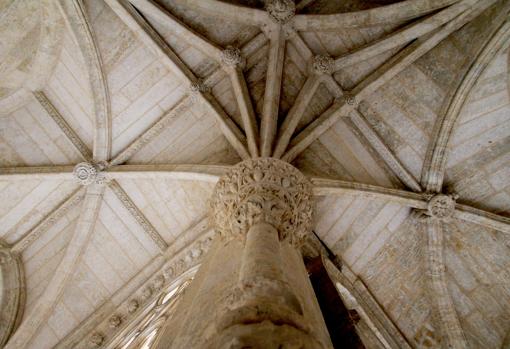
{"type": "Point", "coordinates": [281, 11]}
{"type": "Point", "coordinates": [263, 190]}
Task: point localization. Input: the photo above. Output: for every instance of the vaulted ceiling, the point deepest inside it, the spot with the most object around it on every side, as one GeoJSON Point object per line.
{"type": "Point", "coordinates": [381, 103]}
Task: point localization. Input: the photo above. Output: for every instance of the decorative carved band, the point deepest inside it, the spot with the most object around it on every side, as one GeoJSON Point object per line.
{"type": "Point", "coordinates": [263, 190]}
{"type": "Point", "coordinates": [64, 126]}
{"type": "Point", "coordinates": [74, 199]}
{"type": "Point", "coordinates": [138, 215]}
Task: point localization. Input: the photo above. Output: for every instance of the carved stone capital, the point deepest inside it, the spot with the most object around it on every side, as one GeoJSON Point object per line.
{"type": "Point", "coordinates": [231, 57]}
{"type": "Point", "coordinates": [281, 11]}
{"type": "Point", "coordinates": [87, 173]}
{"type": "Point", "coordinates": [322, 64]}
{"type": "Point", "coordinates": [263, 190]}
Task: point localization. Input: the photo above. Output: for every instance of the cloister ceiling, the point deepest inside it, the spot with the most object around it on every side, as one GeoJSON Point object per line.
{"type": "Point", "coordinates": [381, 103]}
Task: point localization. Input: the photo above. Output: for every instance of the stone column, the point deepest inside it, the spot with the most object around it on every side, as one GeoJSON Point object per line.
{"type": "Point", "coordinates": [252, 290]}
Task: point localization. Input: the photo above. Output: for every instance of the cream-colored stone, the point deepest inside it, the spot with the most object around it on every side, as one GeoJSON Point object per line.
{"type": "Point", "coordinates": [422, 106]}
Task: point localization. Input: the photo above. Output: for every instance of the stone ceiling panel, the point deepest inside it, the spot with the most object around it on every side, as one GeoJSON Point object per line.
{"type": "Point", "coordinates": [350, 76]}
{"type": "Point", "coordinates": [191, 54]}
{"type": "Point", "coordinates": [27, 203]}
{"type": "Point", "coordinates": [396, 276]}
{"type": "Point", "coordinates": [30, 137]}
{"type": "Point", "coordinates": [226, 97]}
{"type": "Point", "coordinates": [141, 88]}
{"type": "Point", "coordinates": [295, 71]}
{"type": "Point", "coordinates": [255, 73]}
{"type": "Point", "coordinates": [351, 157]}
{"type": "Point", "coordinates": [477, 263]}
{"type": "Point", "coordinates": [326, 7]}
{"type": "Point", "coordinates": [192, 137]}
{"type": "Point", "coordinates": [114, 40]}
{"type": "Point", "coordinates": [69, 90]}
{"type": "Point", "coordinates": [20, 35]}
{"type": "Point", "coordinates": [157, 118]}
{"type": "Point", "coordinates": [216, 29]}
{"type": "Point", "coordinates": [478, 164]}
{"type": "Point", "coordinates": [405, 123]}
{"type": "Point", "coordinates": [356, 228]}
{"type": "Point", "coordinates": [42, 257]}
{"type": "Point", "coordinates": [151, 93]}
{"type": "Point", "coordinates": [119, 250]}
{"type": "Point", "coordinates": [171, 206]}
{"type": "Point", "coordinates": [345, 41]}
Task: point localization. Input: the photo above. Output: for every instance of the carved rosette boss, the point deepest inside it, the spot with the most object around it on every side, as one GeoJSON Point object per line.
{"type": "Point", "coordinates": [232, 57]}
{"type": "Point", "coordinates": [87, 173]}
{"type": "Point", "coordinates": [322, 64]}
{"type": "Point", "coordinates": [263, 190]}
{"type": "Point", "coordinates": [281, 11]}
{"type": "Point", "coordinates": [441, 206]}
